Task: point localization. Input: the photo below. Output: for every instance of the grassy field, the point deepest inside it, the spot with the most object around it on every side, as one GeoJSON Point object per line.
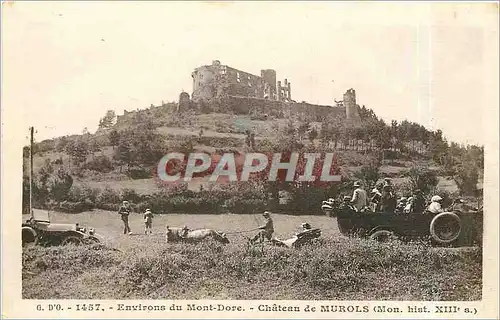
{"type": "Point", "coordinates": [338, 268]}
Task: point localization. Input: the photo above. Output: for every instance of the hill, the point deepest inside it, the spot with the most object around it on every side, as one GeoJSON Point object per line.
{"type": "Point", "coordinates": [119, 161]}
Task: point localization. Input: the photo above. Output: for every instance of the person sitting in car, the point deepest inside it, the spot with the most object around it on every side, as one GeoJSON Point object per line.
{"type": "Point", "coordinates": [388, 200]}
{"type": "Point", "coordinates": [401, 205]}
{"type": "Point", "coordinates": [460, 206]}
{"type": "Point", "coordinates": [359, 199]}
{"type": "Point", "coordinates": [409, 205]}
{"type": "Point", "coordinates": [346, 202]}
{"type": "Point", "coordinates": [436, 205]}
{"type": "Point", "coordinates": [418, 201]}
{"type": "Point", "coordinates": [375, 200]}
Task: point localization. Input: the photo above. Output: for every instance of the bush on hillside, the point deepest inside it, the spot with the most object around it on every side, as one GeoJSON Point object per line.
{"type": "Point", "coordinates": [130, 195]}
{"type": "Point", "coordinates": [139, 173]}
{"type": "Point", "coordinates": [422, 178]}
{"type": "Point", "coordinates": [100, 164]}
{"type": "Point", "coordinates": [75, 207]}
{"type": "Point", "coordinates": [107, 196]}
{"type": "Point", "coordinates": [83, 193]}
{"type": "Point", "coordinates": [466, 177]}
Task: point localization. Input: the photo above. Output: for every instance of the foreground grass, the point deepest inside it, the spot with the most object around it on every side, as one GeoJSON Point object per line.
{"type": "Point", "coordinates": [339, 268]}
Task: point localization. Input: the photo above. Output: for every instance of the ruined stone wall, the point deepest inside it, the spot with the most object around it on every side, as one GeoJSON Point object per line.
{"type": "Point", "coordinates": [278, 109]}
{"type": "Point", "coordinates": [204, 79]}
{"type": "Point", "coordinates": [244, 84]}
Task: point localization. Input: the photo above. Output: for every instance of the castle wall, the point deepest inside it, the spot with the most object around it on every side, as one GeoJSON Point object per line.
{"type": "Point", "coordinates": [216, 80]}
{"type": "Point", "coordinates": [279, 109]}
{"type": "Point", "coordinates": [244, 83]}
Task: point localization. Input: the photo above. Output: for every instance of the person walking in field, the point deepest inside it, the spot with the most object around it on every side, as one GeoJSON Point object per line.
{"type": "Point", "coordinates": [148, 221]}
{"type": "Point", "coordinates": [359, 198]}
{"type": "Point", "coordinates": [266, 230]}
{"type": "Point", "coordinates": [124, 211]}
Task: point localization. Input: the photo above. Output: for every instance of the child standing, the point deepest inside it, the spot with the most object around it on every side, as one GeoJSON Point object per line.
{"type": "Point", "coordinates": [148, 221]}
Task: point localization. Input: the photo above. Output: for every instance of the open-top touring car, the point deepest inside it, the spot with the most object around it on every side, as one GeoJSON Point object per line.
{"type": "Point", "coordinates": [452, 227]}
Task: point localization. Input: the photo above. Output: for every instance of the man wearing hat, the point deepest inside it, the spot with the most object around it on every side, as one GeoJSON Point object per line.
{"type": "Point", "coordinates": [124, 211]}
{"type": "Point", "coordinates": [359, 198]}
{"type": "Point", "coordinates": [388, 200]}
{"type": "Point", "coordinates": [418, 202]}
{"type": "Point", "coordinates": [266, 230]}
{"type": "Point", "coordinates": [148, 221]}
{"type": "Point", "coordinates": [306, 228]}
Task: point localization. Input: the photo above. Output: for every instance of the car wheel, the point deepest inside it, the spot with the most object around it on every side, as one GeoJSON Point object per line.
{"type": "Point", "coordinates": [74, 240]}
{"type": "Point", "coordinates": [29, 237]}
{"type": "Point", "coordinates": [382, 236]}
{"type": "Point", "coordinates": [445, 227]}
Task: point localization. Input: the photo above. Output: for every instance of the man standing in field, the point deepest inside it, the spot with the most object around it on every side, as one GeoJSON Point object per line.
{"type": "Point", "coordinates": [124, 211]}
{"type": "Point", "coordinates": [266, 230]}
{"type": "Point", "coordinates": [148, 221]}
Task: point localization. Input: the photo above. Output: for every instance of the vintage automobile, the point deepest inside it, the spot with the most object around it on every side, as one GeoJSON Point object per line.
{"type": "Point", "coordinates": [452, 227]}
{"type": "Point", "coordinates": [38, 230]}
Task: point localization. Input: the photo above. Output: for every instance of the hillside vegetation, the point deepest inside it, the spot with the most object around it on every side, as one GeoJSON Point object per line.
{"type": "Point", "coordinates": [82, 172]}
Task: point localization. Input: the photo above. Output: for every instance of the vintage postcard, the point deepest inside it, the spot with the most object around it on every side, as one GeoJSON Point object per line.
{"type": "Point", "coordinates": [309, 160]}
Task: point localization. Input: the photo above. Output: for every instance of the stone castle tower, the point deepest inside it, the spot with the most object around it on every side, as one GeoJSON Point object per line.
{"type": "Point", "coordinates": [351, 108]}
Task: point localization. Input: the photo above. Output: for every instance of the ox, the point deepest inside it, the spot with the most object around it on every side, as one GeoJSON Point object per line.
{"type": "Point", "coordinates": [174, 234]}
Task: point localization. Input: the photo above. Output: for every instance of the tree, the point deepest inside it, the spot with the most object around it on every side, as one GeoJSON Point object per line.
{"type": "Point", "coordinates": [108, 120]}
{"type": "Point", "coordinates": [114, 138]}
{"type": "Point", "coordinates": [313, 134]}
{"type": "Point", "coordinates": [422, 178]}
{"type": "Point", "coordinates": [466, 177]}
{"type": "Point", "coordinates": [59, 185]}
{"type": "Point", "coordinates": [370, 174]}
{"type": "Point", "coordinates": [61, 144]}
{"type": "Point", "coordinates": [78, 150]}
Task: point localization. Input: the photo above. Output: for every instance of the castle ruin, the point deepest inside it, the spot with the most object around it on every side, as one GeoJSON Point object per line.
{"type": "Point", "coordinates": [248, 92]}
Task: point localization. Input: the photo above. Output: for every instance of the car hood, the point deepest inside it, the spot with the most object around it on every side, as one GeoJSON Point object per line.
{"type": "Point", "coordinates": [58, 227]}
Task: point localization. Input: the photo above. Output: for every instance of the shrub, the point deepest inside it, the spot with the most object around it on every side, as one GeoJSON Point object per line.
{"type": "Point", "coordinates": [100, 164]}
{"type": "Point", "coordinates": [107, 195]}
{"type": "Point", "coordinates": [130, 195]}
{"type": "Point", "coordinates": [75, 207]}
{"type": "Point", "coordinates": [422, 178]}
{"type": "Point", "coordinates": [83, 193]}
{"type": "Point", "coordinates": [139, 173]}
{"type": "Point", "coordinates": [466, 177]}
{"type": "Point", "coordinates": [244, 206]}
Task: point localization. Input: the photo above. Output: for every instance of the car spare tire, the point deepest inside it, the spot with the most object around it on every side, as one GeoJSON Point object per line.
{"type": "Point", "coordinates": [445, 227]}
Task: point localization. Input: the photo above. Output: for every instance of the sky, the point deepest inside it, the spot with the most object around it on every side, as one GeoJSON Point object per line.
{"type": "Point", "coordinates": [65, 63]}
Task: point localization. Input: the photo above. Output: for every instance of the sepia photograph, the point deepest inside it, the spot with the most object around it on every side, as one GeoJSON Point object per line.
{"type": "Point", "coordinates": [278, 152]}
